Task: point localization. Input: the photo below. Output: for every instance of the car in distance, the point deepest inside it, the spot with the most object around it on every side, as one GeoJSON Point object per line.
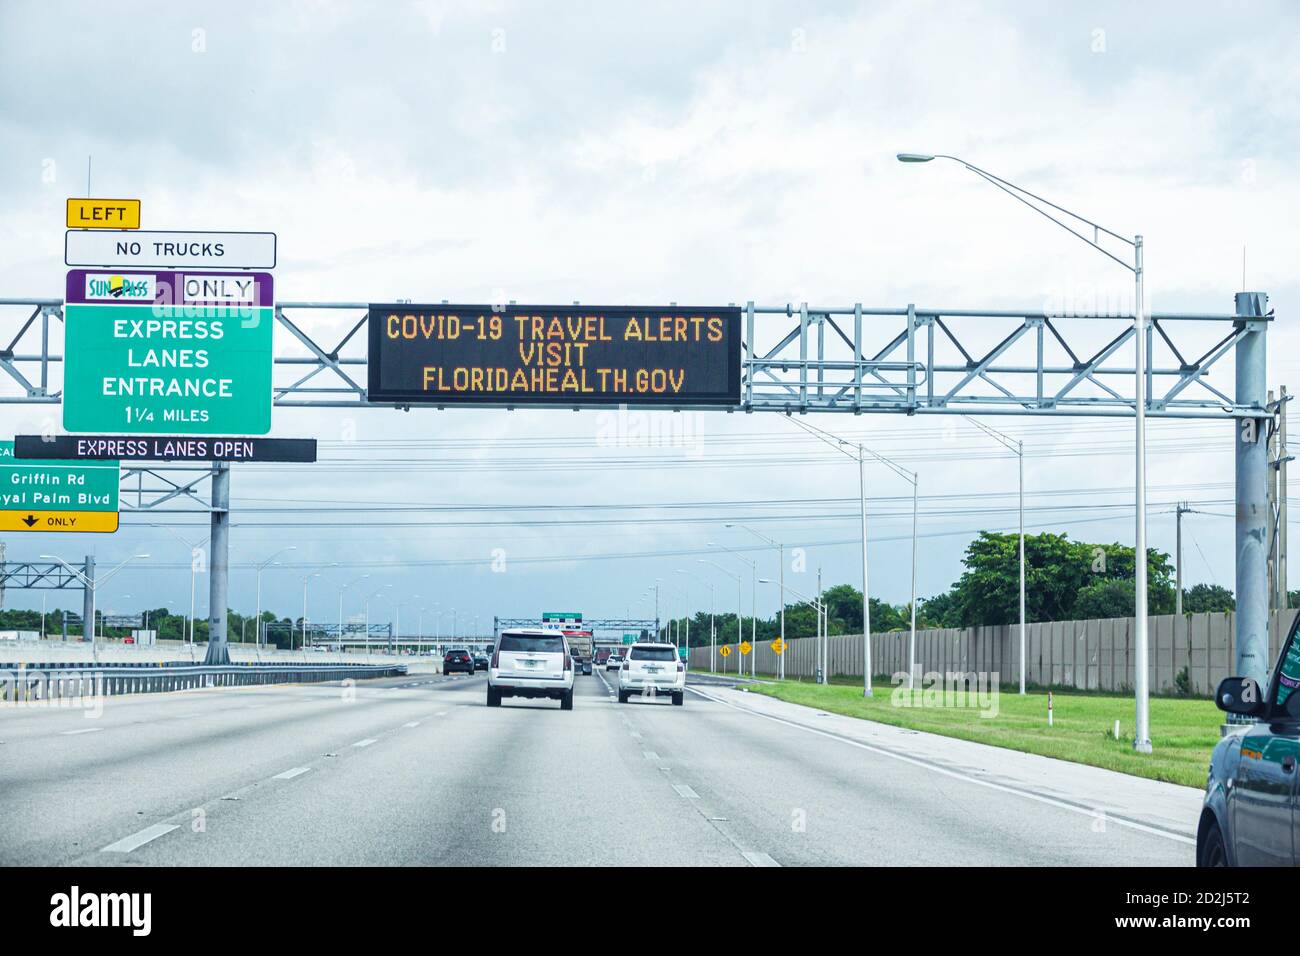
{"type": "Point", "coordinates": [652, 668]}
{"type": "Point", "coordinates": [480, 661]}
{"type": "Point", "coordinates": [1252, 803]}
{"type": "Point", "coordinates": [457, 659]}
{"type": "Point", "coordinates": [531, 662]}
{"type": "Point", "coordinates": [613, 662]}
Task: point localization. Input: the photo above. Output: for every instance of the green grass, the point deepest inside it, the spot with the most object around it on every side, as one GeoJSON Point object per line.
{"type": "Point", "coordinates": [1183, 731]}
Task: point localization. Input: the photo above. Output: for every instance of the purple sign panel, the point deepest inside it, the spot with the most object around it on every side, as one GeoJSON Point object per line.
{"type": "Point", "coordinates": [202, 288]}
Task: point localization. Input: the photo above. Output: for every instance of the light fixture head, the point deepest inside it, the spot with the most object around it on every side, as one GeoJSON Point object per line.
{"type": "Point", "coordinates": [914, 157]}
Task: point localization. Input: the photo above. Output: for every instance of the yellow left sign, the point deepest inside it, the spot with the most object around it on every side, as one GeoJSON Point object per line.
{"type": "Point", "coordinates": [86, 522]}
{"type": "Point", "coordinates": [103, 214]}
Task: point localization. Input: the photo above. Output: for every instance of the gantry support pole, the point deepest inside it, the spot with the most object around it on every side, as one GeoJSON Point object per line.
{"type": "Point", "coordinates": [1252, 517]}
{"type": "Point", "coordinates": [219, 566]}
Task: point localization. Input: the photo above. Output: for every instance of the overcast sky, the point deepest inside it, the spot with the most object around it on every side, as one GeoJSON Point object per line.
{"type": "Point", "coordinates": [654, 153]}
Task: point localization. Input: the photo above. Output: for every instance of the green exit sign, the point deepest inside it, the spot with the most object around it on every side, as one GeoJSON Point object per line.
{"type": "Point", "coordinates": [168, 353]}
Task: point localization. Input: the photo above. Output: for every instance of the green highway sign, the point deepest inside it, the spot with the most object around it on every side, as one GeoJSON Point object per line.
{"type": "Point", "coordinates": [57, 495]}
{"type": "Point", "coordinates": [629, 638]}
{"type": "Point", "coordinates": [175, 353]}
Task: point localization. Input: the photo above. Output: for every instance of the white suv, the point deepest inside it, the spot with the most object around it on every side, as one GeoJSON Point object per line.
{"type": "Point", "coordinates": [652, 668]}
{"type": "Point", "coordinates": [531, 662]}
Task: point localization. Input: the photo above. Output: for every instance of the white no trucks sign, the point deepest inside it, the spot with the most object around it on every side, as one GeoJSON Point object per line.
{"type": "Point", "coordinates": [132, 248]}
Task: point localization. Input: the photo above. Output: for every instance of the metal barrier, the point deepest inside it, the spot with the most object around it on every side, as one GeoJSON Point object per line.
{"type": "Point", "coordinates": [78, 680]}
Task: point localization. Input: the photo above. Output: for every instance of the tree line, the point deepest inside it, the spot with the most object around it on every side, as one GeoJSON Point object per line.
{"type": "Point", "coordinates": [170, 626]}
{"type": "Point", "coordinates": [1065, 580]}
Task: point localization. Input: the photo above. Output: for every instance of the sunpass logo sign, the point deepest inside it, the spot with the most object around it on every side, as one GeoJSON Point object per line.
{"type": "Point", "coordinates": [106, 287]}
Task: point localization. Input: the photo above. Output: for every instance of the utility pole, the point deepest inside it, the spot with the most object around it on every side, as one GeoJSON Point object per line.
{"type": "Point", "coordinates": [1282, 582]}
{"type": "Point", "coordinates": [1278, 459]}
{"type": "Point", "coordinates": [1178, 547]}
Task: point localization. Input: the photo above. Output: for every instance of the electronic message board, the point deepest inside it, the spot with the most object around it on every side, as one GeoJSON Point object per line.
{"type": "Point", "coordinates": [554, 355]}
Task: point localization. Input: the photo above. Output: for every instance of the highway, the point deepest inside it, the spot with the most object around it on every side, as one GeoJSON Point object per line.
{"type": "Point", "coordinates": [418, 771]}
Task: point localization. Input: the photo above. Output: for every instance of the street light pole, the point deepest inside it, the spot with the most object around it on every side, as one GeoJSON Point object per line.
{"type": "Point", "coordinates": [1019, 448]}
{"type": "Point", "coordinates": [305, 579]}
{"type": "Point", "coordinates": [753, 607]}
{"type": "Point", "coordinates": [92, 584]}
{"type": "Point", "coordinates": [1141, 376]}
{"type": "Point", "coordinates": [839, 444]}
{"type": "Point", "coordinates": [740, 601]}
{"type": "Point", "coordinates": [257, 636]}
{"type": "Point", "coordinates": [780, 548]}
{"type": "Point", "coordinates": [342, 590]}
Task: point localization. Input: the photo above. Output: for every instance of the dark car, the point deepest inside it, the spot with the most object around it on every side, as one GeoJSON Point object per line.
{"type": "Point", "coordinates": [457, 659]}
{"type": "Point", "coordinates": [1251, 811]}
{"type": "Point", "coordinates": [480, 662]}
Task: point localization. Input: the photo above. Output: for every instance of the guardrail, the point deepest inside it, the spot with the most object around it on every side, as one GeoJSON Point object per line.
{"type": "Point", "coordinates": [73, 680]}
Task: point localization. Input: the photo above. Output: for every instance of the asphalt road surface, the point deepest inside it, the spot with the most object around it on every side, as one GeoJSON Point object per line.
{"type": "Point", "coordinates": [418, 771]}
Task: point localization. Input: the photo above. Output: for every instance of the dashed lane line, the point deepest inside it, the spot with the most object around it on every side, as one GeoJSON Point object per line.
{"type": "Point", "coordinates": [140, 838]}
{"type": "Point", "coordinates": [291, 773]}
{"type": "Point", "coordinates": [366, 743]}
{"type": "Point", "coordinates": [84, 730]}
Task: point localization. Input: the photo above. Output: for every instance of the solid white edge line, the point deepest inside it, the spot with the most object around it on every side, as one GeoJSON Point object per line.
{"type": "Point", "coordinates": [1028, 795]}
{"type": "Point", "coordinates": [140, 838]}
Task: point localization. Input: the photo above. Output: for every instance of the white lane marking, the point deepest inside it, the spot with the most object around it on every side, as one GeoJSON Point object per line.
{"type": "Point", "coordinates": [685, 791]}
{"type": "Point", "coordinates": [441, 713]}
{"type": "Point", "coordinates": [365, 743]}
{"type": "Point", "coordinates": [291, 773]}
{"type": "Point", "coordinates": [84, 730]}
{"type": "Point", "coordinates": [759, 859]}
{"type": "Point", "coordinates": [136, 840]}
{"type": "Point", "coordinates": [411, 723]}
{"type": "Point", "coordinates": [649, 755]}
{"type": "Point", "coordinates": [636, 735]}
{"type": "Point", "coordinates": [1028, 795]}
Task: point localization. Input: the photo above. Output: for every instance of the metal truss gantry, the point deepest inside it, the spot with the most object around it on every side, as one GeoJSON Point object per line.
{"type": "Point", "coordinates": [803, 358]}
{"type": "Point", "coordinates": [637, 624]}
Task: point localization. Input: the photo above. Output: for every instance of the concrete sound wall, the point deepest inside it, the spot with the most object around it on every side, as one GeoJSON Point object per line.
{"type": "Point", "coordinates": [1089, 655]}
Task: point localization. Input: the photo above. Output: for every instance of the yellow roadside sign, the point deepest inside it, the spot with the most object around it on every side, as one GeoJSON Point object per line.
{"type": "Point", "coordinates": [103, 214]}
{"type": "Point", "coordinates": [87, 522]}
{"type": "Point", "coordinates": [724, 650]}
{"type": "Point", "coordinates": [778, 646]}
{"type": "Point", "coordinates": [744, 647]}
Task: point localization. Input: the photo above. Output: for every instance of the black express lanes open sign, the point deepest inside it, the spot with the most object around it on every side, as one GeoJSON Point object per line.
{"type": "Point", "coordinates": [554, 355]}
